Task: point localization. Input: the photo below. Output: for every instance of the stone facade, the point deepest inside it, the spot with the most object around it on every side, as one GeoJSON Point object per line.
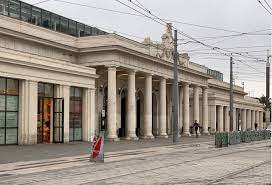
{"type": "Point", "coordinates": [126, 84]}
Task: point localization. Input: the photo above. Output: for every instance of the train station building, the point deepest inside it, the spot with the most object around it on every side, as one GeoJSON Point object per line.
{"type": "Point", "coordinates": [62, 81]}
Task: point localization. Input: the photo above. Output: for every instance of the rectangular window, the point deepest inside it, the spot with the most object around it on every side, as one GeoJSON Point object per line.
{"type": "Point", "coordinates": [64, 25]}
{"type": "Point", "coordinates": [75, 128]}
{"type": "Point", "coordinates": [55, 22]}
{"type": "Point", "coordinates": [9, 101]}
{"type": "Point", "coordinates": [88, 31]}
{"type": "Point", "coordinates": [46, 23]}
{"type": "Point", "coordinates": [25, 12]}
{"type": "Point", "coordinates": [36, 16]}
{"type": "Point", "coordinates": [73, 28]}
{"type": "Point", "coordinates": [14, 9]}
{"type": "Point", "coordinates": [3, 7]}
{"type": "Point", "coordinates": [80, 30]}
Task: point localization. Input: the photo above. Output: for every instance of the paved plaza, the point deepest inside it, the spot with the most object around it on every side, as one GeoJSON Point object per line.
{"type": "Point", "coordinates": [194, 162]}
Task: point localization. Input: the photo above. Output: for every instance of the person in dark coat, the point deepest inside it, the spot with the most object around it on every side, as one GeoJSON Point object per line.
{"type": "Point", "coordinates": [256, 126]}
{"type": "Point", "coordinates": [196, 126]}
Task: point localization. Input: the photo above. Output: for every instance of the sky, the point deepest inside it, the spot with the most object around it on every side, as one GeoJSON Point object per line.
{"type": "Point", "coordinates": [233, 16]}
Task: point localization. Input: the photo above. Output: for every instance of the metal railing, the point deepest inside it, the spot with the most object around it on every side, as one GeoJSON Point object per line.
{"type": "Point", "coordinates": [224, 139]}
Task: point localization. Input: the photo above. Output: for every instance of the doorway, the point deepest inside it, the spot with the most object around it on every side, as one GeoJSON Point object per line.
{"type": "Point", "coordinates": [44, 120]}
{"type": "Point", "coordinates": [122, 130]}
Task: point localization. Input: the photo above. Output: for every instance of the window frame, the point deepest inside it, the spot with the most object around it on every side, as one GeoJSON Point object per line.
{"type": "Point", "coordinates": [5, 128]}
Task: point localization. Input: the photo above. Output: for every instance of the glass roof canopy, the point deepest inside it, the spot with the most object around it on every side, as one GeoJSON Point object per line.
{"type": "Point", "coordinates": [43, 18]}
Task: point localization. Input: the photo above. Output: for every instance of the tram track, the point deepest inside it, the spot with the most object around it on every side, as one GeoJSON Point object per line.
{"type": "Point", "coordinates": [184, 162]}
{"type": "Point", "coordinates": [10, 172]}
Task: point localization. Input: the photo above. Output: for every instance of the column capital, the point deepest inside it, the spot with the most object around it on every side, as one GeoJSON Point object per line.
{"type": "Point", "coordinates": [111, 67]}
{"type": "Point", "coordinates": [185, 83]}
{"type": "Point", "coordinates": [132, 71]}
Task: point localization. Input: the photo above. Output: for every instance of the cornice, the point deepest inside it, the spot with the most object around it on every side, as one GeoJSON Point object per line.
{"type": "Point", "coordinates": [129, 51]}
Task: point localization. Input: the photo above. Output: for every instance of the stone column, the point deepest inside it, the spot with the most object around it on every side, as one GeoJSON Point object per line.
{"type": "Point", "coordinates": [162, 108]}
{"type": "Point", "coordinates": [196, 104]}
{"type": "Point", "coordinates": [186, 109]}
{"type": "Point", "coordinates": [244, 115]}
{"type": "Point", "coordinates": [234, 126]}
{"type": "Point", "coordinates": [88, 115]}
{"type": "Point", "coordinates": [252, 120]}
{"type": "Point", "coordinates": [257, 119]}
{"type": "Point", "coordinates": [212, 109]}
{"type": "Point", "coordinates": [27, 127]}
{"type": "Point", "coordinates": [111, 118]}
{"type": "Point", "coordinates": [205, 110]}
{"type": "Point", "coordinates": [66, 121]}
{"type": "Point", "coordinates": [181, 109]}
{"type": "Point", "coordinates": [131, 108]}
{"type": "Point", "coordinates": [248, 125]}
{"type": "Point", "coordinates": [227, 119]}
{"type": "Point", "coordinates": [148, 108]}
{"type": "Point", "coordinates": [220, 118]}
{"type": "Point", "coordinates": [261, 120]}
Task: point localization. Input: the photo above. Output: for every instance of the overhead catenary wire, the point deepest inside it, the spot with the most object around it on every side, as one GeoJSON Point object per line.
{"type": "Point", "coordinates": [267, 4]}
{"type": "Point", "coordinates": [264, 7]}
{"type": "Point", "coordinates": [139, 15]}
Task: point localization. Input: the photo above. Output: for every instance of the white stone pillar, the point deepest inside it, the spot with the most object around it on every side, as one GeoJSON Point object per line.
{"type": "Point", "coordinates": [111, 119]}
{"type": "Point", "coordinates": [186, 109]}
{"type": "Point", "coordinates": [66, 121]}
{"type": "Point", "coordinates": [220, 118]}
{"type": "Point", "coordinates": [162, 108]}
{"type": "Point", "coordinates": [252, 120]}
{"type": "Point", "coordinates": [131, 108]}
{"type": "Point", "coordinates": [244, 119]}
{"type": "Point", "coordinates": [227, 119]}
{"type": "Point", "coordinates": [148, 108]}
{"type": "Point", "coordinates": [180, 109]}
{"type": "Point", "coordinates": [27, 128]}
{"type": "Point", "coordinates": [205, 110]}
{"type": "Point", "coordinates": [213, 121]}
{"type": "Point", "coordinates": [88, 115]}
{"type": "Point", "coordinates": [248, 125]}
{"type": "Point", "coordinates": [257, 119]}
{"type": "Point", "coordinates": [196, 104]}
{"type": "Point", "coordinates": [234, 126]}
{"type": "Point", "coordinates": [261, 120]}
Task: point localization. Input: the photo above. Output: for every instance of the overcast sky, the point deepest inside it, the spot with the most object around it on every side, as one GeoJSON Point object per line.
{"type": "Point", "coordinates": [236, 15]}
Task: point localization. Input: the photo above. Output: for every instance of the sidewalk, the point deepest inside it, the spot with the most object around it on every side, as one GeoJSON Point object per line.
{"type": "Point", "coordinates": [16, 153]}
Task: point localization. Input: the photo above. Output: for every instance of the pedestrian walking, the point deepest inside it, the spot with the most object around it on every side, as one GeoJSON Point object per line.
{"type": "Point", "coordinates": [256, 126]}
{"type": "Point", "coordinates": [196, 126]}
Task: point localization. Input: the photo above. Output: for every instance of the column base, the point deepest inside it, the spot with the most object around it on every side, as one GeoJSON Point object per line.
{"type": "Point", "coordinates": [186, 134]}
{"type": "Point", "coordinates": [164, 136]}
{"type": "Point", "coordinates": [132, 138]}
{"type": "Point", "coordinates": [112, 138]}
{"type": "Point", "coordinates": [148, 137]}
{"type": "Point", "coordinates": [205, 133]}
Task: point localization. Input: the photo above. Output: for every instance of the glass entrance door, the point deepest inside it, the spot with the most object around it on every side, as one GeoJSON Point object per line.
{"type": "Point", "coordinates": [44, 119]}
{"type": "Point", "coordinates": [58, 120]}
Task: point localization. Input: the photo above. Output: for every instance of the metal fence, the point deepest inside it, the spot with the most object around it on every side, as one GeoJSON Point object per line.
{"type": "Point", "coordinates": [224, 139]}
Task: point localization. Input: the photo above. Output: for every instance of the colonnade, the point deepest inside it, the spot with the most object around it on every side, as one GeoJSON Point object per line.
{"type": "Point", "coordinates": [243, 119]}
{"type": "Point", "coordinates": [184, 107]}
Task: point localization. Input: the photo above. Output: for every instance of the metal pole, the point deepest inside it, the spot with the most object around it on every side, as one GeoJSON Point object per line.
{"type": "Point", "coordinates": [267, 114]}
{"type": "Point", "coordinates": [231, 92]}
{"type": "Point", "coordinates": [175, 91]}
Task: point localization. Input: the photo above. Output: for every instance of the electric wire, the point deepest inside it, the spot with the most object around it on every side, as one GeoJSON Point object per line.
{"type": "Point", "coordinates": [268, 4]}
{"type": "Point", "coordinates": [186, 35]}
{"type": "Point", "coordinates": [264, 7]}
